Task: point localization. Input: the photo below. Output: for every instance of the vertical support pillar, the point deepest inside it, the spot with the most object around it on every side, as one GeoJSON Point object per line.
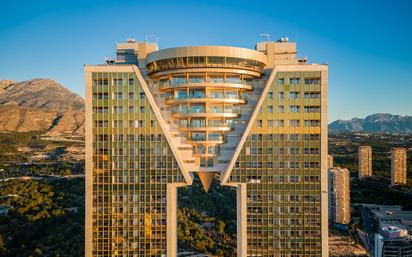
{"type": "Point", "coordinates": [323, 163]}
{"type": "Point", "coordinates": [171, 220]}
{"type": "Point", "coordinates": [88, 168]}
{"type": "Point", "coordinates": [241, 220]}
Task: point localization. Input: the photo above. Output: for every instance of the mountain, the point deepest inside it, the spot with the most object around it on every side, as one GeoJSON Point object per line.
{"type": "Point", "coordinates": [375, 123]}
{"type": "Point", "coordinates": [39, 93]}
{"type": "Point", "coordinates": [41, 105]}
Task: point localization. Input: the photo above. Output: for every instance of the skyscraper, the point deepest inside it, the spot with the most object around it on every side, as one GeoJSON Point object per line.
{"type": "Point", "coordinates": [254, 119]}
{"type": "Point", "coordinates": [339, 195]}
{"type": "Point", "coordinates": [399, 166]}
{"type": "Point", "coordinates": [364, 161]}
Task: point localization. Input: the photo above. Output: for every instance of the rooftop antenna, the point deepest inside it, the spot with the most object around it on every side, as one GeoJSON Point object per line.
{"type": "Point", "coordinates": [267, 36]}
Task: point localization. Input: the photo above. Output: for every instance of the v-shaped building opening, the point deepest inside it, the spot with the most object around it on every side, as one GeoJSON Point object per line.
{"type": "Point", "coordinates": [251, 119]}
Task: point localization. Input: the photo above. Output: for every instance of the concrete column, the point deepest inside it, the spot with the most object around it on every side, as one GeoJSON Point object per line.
{"type": "Point", "coordinates": [241, 221]}
{"type": "Point", "coordinates": [324, 165]}
{"type": "Point", "coordinates": [171, 220]}
{"type": "Point", "coordinates": [89, 167]}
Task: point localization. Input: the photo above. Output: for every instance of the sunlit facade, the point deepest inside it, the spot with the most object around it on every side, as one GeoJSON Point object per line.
{"type": "Point", "coordinates": [364, 161]}
{"type": "Point", "coordinates": [399, 157]}
{"type": "Point", "coordinates": [339, 195]}
{"type": "Point", "coordinates": [254, 119]}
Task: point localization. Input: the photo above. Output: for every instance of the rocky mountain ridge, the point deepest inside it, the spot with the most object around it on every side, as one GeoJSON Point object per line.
{"type": "Point", "coordinates": [41, 105]}
{"type": "Point", "coordinates": [375, 123]}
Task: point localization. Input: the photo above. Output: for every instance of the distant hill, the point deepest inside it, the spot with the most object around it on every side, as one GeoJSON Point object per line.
{"type": "Point", "coordinates": [375, 123]}
{"type": "Point", "coordinates": [41, 105]}
{"type": "Point", "coordinates": [39, 93]}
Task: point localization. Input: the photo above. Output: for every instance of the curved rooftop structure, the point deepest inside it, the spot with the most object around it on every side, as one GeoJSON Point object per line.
{"type": "Point", "coordinates": [192, 57]}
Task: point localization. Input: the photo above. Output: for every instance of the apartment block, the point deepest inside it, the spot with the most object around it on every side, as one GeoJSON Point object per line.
{"type": "Point", "coordinates": [339, 195]}
{"type": "Point", "coordinates": [399, 166]}
{"type": "Point", "coordinates": [364, 161]}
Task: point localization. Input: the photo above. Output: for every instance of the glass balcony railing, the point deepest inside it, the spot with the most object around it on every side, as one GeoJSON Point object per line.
{"type": "Point", "coordinates": [215, 137]}
{"type": "Point", "coordinates": [198, 137]}
{"type": "Point", "coordinates": [179, 82]}
{"type": "Point", "coordinates": [200, 96]}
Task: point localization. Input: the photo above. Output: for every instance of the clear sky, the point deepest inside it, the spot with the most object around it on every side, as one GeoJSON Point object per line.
{"type": "Point", "coordinates": [367, 44]}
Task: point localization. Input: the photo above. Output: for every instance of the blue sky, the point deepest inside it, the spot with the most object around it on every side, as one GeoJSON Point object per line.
{"type": "Point", "coordinates": [367, 44]}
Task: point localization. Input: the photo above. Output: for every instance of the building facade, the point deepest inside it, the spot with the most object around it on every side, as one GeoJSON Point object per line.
{"type": "Point", "coordinates": [254, 119]}
{"type": "Point", "coordinates": [399, 166]}
{"type": "Point", "coordinates": [339, 196]}
{"type": "Point", "coordinates": [364, 161]}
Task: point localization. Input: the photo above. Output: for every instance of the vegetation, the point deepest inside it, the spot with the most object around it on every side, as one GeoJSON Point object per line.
{"type": "Point", "coordinates": [344, 148]}
{"type": "Point", "coordinates": [46, 219]}
{"type": "Point", "coordinates": [207, 221]}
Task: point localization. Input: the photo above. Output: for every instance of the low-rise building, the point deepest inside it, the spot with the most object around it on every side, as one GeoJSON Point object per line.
{"type": "Point", "coordinates": [393, 242]}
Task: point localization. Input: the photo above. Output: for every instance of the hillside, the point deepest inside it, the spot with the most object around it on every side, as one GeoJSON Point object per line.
{"type": "Point", "coordinates": [375, 123]}
{"type": "Point", "coordinates": [40, 105]}
{"type": "Point", "coordinates": [39, 93]}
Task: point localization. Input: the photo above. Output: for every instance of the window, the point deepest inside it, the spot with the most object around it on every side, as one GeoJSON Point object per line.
{"type": "Point", "coordinates": [312, 123]}
{"type": "Point", "coordinates": [118, 124]}
{"type": "Point", "coordinates": [294, 123]}
{"type": "Point", "coordinates": [294, 81]}
{"type": "Point", "coordinates": [153, 123]}
{"type": "Point", "coordinates": [259, 123]}
{"type": "Point", "coordinates": [281, 81]}
{"type": "Point", "coordinates": [310, 137]}
{"type": "Point", "coordinates": [294, 165]}
{"type": "Point", "coordinates": [256, 137]}
{"type": "Point", "coordinates": [117, 109]}
{"type": "Point", "coordinates": [294, 108]}
{"type": "Point", "coordinates": [131, 109]}
{"type": "Point", "coordinates": [117, 82]}
{"type": "Point", "coordinates": [278, 123]}
{"type": "Point", "coordinates": [312, 81]}
{"type": "Point", "coordinates": [132, 124]}
{"type": "Point", "coordinates": [294, 150]}
{"type": "Point", "coordinates": [101, 109]}
{"type": "Point", "coordinates": [294, 137]}
{"type": "Point", "coordinates": [270, 95]}
{"type": "Point", "coordinates": [270, 123]}
{"type": "Point", "coordinates": [256, 150]}
{"type": "Point", "coordinates": [101, 124]}
{"type": "Point", "coordinates": [141, 109]}
{"type": "Point", "coordinates": [294, 95]}
{"type": "Point", "coordinates": [281, 108]}
{"type": "Point", "coordinates": [131, 96]}
{"type": "Point", "coordinates": [131, 81]}
{"type": "Point", "coordinates": [312, 95]}
{"type": "Point", "coordinates": [270, 109]}
{"type": "Point", "coordinates": [311, 150]}
{"type": "Point", "coordinates": [101, 96]}
{"type": "Point", "coordinates": [312, 109]}
{"type": "Point", "coordinates": [118, 95]}
{"type": "Point", "coordinates": [281, 95]}
{"type": "Point", "coordinates": [141, 96]}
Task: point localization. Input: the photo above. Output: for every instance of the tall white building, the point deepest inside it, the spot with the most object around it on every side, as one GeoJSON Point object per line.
{"type": "Point", "coordinates": [339, 195]}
